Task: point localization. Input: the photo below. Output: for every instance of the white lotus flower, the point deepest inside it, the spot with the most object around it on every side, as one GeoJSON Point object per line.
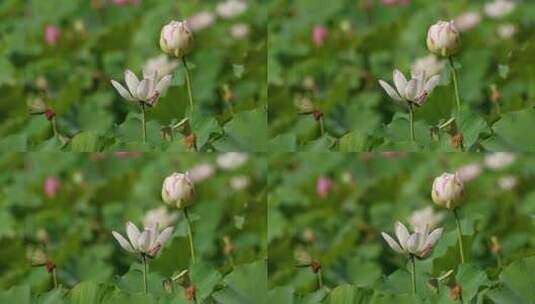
{"type": "Point", "coordinates": [149, 242]}
{"type": "Point", "coordinates": [499, 8]}
{"type": "Point", "coordinates": [430, 65]}
{"type": "Point", "coordinates": [201, 172]}
{"type": "Point", "coordinates": [161, 64]}
{"type": "Point", "coordinates": [418, 244]}
{"type": "Point", "coordinates": [201, 21]}
{"type": "Point", "coordinates": [231, 160]}
{"type": "Point", "coordinates": [160, 216]}
{"type": "Point", "coordinates": [414, 91]}
{"type": "Point", "coordinates": [506, 31]}
{"type": "Point", "coordinates": [499, 160]}
{"type": "Point", "coordinates": [425, 218]}
{"type": "Point", "coordinates": [231, 8]}
{"type": "Point", "coordinates": [148, 90]}
{"type": "Point", "coordinates": [508, 182]}
{"type": "Point", "coordinates": [467, 21]}
{"type": "Point", "coordinates": [469, 172]}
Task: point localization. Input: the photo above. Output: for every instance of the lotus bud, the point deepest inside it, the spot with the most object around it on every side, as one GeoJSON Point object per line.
{"type": "Point", "coordinates": [176, 39]}
{"type": "Point", "coordinates": [447, 190]}
{"type": "Point", "coordinates": [443, 38]}
{"type": "Point", "coordinates": [177, 190]}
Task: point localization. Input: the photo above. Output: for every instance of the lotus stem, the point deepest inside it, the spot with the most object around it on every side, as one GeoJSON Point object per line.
{"type": "Point", "coordinates": [413, 273]}
{"type": "Point", "coordinates": [411, 121]}
{"type": "Point", "coordinates": [55, 277]}
{"type": "Point", "coordinates": [143, 122]}
{"type": "Point", "coordinates": [459, 235]}
{"type": "Point", "coordinates": [455, 84]}
{"type": "Point", "coordinates": [190, 235]}
{"type": "Point", "coordinates": [145, 271]}
{"type": "Point", "coordinates": [188, 83]}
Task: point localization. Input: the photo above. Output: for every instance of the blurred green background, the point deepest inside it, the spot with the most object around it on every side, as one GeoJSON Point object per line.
{"type": "Point", "coordinates": [66, 205]}
{"type": "Point", "coordinates": [97, 41]}
{"type": "Point", "coordinates": [359, 42]}
{"type": "Point", "coordinates": [331, 208]}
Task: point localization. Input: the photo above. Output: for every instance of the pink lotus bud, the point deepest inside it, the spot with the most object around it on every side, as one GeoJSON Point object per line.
{"type": "Point", "coordinates": [443, 38]}
{"type": "Point", "coordinates": [52, 35]}
{"type": "Point", "coordinates": [51, 187]}
{"type": "Point", "coordinates": [319, 35]}
{"type": "Point", "coordinates": [447, 190]}
{"type": "Point", "coordinates": [176, 39]}
{"type": "Point", "coordinates": [323, 186]}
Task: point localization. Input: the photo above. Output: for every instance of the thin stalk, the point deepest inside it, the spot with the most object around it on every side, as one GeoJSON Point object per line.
{"type": "Point", "coordinates": [455, 84]}
{"type": "Point", "coordinates": [145, 271]}
{"type": "Point", "coordinates": [320, 279]}
{"type": "Point", "coordinates": [55, 278]}
{"type": "Point", "coordinates": [413, 273]}
{"type": "Point", "coordinates": [411, 121]}
{"type": "Point", "coordinates": [190, 235]}
{"type": "Point", "coordinates": [322, 128]}
{"type": "Point", "coordinates": [54, 124]}
{"type": "Point", "coordinates": [188, 83]}
{"type": "Point", "coordinates": [459, 235]}
{"type": "Point", "coordinates": [143, 122]}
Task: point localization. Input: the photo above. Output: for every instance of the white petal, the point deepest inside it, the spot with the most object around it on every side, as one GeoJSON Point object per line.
{"type": "Point", "coordinates": [143, 242]}
{"type": "Point", "coordinates": [402, 234]}
{"type": "Point", "coordinates": [123, 242]}
{"type": "Point", "coordinates": [431, 84]}
{"type": "Point", "coordinates": [164, 236]}
{"type": "Point", "coordinates": [390, 90]}
{"type": "Point", "coordinates": [122, 91]}
{"type": "Point", "coordinates": [392, 243]}
{"type": "Point", "coordinates": [411, 90]}
{"type": "Point", "coordinates": [132, 232]}
{"type": "Point", "coordinates": [142, 91]}
{"type": "Point", "coordinates": [163, 84]}
{"type": "Point", "coordinates": [413, 243]}
{"type": "Point", "coordinates": [400, 81]}
{"type": "Point", "coordinates": [131, 81]}
{"type": "Point", "coordinates": [433, 237]}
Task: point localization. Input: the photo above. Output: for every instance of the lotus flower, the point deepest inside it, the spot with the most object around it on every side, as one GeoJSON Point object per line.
{"type": "Point", "coordinates": [414, 91]}
{"type": "Point", "coordinates": [147, 90]}
{"type": "Point", "coordinates": [147, 243]}
{"type": "Point", "coordinates": [418, 244]}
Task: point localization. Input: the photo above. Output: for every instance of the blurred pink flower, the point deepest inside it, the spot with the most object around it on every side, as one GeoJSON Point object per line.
{"type": "Point", "coordinates": [319, 35]}
{"type": "Point", "coordinates": [52, 35]}
{"type": "Point", "coordinates": [395, 2]}
{"type": "Point", "coordinates": [323, 186]}
{"type": "Point", "coordinates": [125, 2]}
{"type": "Point", "coordinates": [51, 186]}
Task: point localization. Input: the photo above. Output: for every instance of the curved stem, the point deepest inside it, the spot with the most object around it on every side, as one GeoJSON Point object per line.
{"type": "Point", "coordinates": [411, 121]}
{"type": "Point", "coordinates": [459, 235]}
{"type": "Point", "coordinates": [143, 122]}
{"type": "Point", "coordinates": [455, 84]}
{"type": "Point", "coordinates": [413, 273]}
{"type": "Point", "coordinates": [190, 235]}
{"type": "Point", "coordinates": [145, 271]}
{"type": "Point", "coordinates": [188, 83]}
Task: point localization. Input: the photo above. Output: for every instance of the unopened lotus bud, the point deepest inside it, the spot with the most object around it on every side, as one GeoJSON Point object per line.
{"type": "Point", "coordinates": [495, 246]}
{"type": "Point", "coordinates": [447, 190]}
{"type": "Point", "coordinates": [191, 293]}
{"type": "Point", "coordinates": [443, 38]}
{"type": "Point", "coordinates": [168, 285]}
{"type": "Point", "coordinates": [228, 247]}
{"type": "Point", "coordinates": [315, 266]}
{"type": "Point", "coordinates": [176, 39]}
{"type": "Point", "coordinates": [191, 141]}
{"type": "Point", "coordinates": [37, 257]}
{"type": "Point", "coordinates": [177, 190]}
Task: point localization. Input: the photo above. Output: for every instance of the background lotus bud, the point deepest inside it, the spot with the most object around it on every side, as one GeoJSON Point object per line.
{"type": "Point", "coordinates": [52, 35]}
{"type": "Point", "coordinates": [447, 190]}
{"type": "Point", "coordinates": [51, 187]}
{"type": "Point", "coordinates": [443, 38]}
{"type": "Point", "coordinates": [177, 190]}
{"type": "Point", "coordinates": [176, 39]}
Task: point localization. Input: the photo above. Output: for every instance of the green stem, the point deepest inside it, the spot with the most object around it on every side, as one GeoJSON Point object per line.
{"type": "Point", "coordinates": [459, 235]}
{"type": "Point", "coordinates": [188, 83]}
{"type": "Point", "coordinates": [320, 279]}
{"type": "Point", "coordinates": [145, 271]}
{"type": "Point", "coordinates": [55, 278]}
{"type": "Point", "coordinates": [411, 121]}
{"type": "Point", "coordinates": [143, 122]}
{"type": "Point", "coordinates": [54, 126]}
{"type": "Point", "coordinates": [413, 273]}
{"type": "Point", "coordinates": [190, 235]}
{"type": "Point", "coordinates": [455, 84]}
{"type": "Point", "coordinates": [322, 128]}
